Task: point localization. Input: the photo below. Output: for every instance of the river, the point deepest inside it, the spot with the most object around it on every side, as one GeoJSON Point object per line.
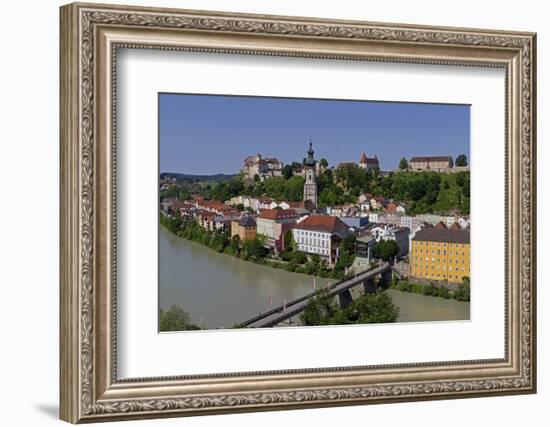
{"type": "Point", "coordinates": [219, 290]}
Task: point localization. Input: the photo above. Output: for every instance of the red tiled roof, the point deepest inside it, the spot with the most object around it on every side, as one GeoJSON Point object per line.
{"type": "Point", "coordinates": [213, 204]}
{"type": "Point", "coordinates": [182, 205]}
{"type": "Point", "coordinates": [276, 214]}
{"type": "Point", "coordinates": [207, 214]}
{"type": "Point", "coordinates": [392, 207]}
{"type": "Point", "coordinates": [170, 200]}
{"type": "Point", "coordinates": [296, 204]}
{"type": "Point", "coordinates": [368, 160]}
{"type": "Point", "coordinates": [324, 223]}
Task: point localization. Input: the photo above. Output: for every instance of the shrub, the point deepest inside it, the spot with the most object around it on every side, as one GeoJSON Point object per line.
{"type": "Point", "coordinates": [463, 291]}
{"type": "Point", "coordinates": [176, 319]}
{"type": "Point", "coordinates": [444, 292]}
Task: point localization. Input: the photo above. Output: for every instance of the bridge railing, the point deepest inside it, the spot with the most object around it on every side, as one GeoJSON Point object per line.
{"type": "Point", "coordinates": [293, 302]}
{"type": "Point", "coordinates": [288, 304]}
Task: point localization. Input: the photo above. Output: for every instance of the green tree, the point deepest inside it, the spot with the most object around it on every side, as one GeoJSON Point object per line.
{"type": "Point", "coordinates": [176, 319]}
{"type": "Point", "coordinates": [460, 178]}
{"type": "Point", "coordinates": [225, 190]}
{"type": "Point", "coordinates": [294, 189]}
{"type": "Point", "coordinates": [348, 244]}
{"type": "Point", "coordinates": [403, 164]}
{"type": "Point", "coordinates": [385, 249]}
{"type": "Point", "coordinates": [254, 248]}
{"type": "Point", "coordinates": [346, 256]}
{"type": "Point", "coordinates": [290, 244]}
{"type": "Point", "coordinates": [184, 195]}
{"type": "Point", "coordinates": [463, 291]}
{"type": "Point", "coordinates": [323, 309]}
{"type": "Point", "coordinates": [287, 171]}
{"type": "Point", "coordinates": [235, 244]}
{"type": "Point", "coordinates": [372, 308]}
{"type": "Point", "coordinates": [323, 163]}
{"type": "Point", "coordinates": [173, 190]}
{"type": "Point", "coordinates": [320, 309]}
{"type": "Point", "coordinates": [466, 186]}
{"type": "Point", "coordinates": [461, 160]}
{"type": "Point", "coordinates": [443, 292]}
{"type": "Point", "coordinates": [299, 257]}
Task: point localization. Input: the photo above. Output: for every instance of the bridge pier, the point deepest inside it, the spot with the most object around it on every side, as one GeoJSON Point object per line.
{"type": "Point", "coordinates": [345, 298]}
{"type": "Point", "coordinates": [386, 278]}
{"type": "Point", "coordinates": [369, 286]}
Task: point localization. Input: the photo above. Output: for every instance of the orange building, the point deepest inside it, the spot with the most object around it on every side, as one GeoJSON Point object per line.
{"type": "Point", "coordinates": [440, 254]}
{"type": "Point", "coordinates": [245, 228]}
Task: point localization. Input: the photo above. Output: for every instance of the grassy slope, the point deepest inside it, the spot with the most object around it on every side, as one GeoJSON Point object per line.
{"type": "Point", "coordinates": [447, 197]}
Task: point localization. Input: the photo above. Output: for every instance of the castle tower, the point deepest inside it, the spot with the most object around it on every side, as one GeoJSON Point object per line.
{"type": "Point", "coordinates": [363, 161]}
{"type": "Point", "coordinates": [310, 186]}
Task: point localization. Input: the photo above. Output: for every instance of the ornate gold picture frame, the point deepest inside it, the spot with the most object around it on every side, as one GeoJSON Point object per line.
{"type": "Point", "coordinates": [90, 37]}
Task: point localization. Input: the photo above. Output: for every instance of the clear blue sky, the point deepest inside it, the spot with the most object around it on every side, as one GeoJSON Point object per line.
{"type": "Point", "coordinates": [209, 134]}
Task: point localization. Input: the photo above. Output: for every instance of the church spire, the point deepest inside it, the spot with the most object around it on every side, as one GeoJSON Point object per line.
{"type": "Point", "coordinates": [310, 185]}
{"type": "Point", "coordinates": [310, 161]}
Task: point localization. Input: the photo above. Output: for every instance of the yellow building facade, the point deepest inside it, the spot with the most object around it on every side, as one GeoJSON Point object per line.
{"type": "Point", "coordinates": [441, 255]}
{"type": "Point", "coordinates": [245, 228]}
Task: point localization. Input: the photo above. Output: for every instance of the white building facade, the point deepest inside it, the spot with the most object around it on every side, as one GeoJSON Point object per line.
{"type": "Point", "coordinates": [313, 242]}
{"type": "Point", "coordinates": [320, 235]}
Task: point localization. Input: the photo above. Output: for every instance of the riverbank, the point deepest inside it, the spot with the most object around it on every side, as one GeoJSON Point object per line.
{"type": "Point", "coordinates": [414, 308]}
{"type": "Point", "coordinates": [254, 251]}
{"type": "Point", "coordinates": [219, 291]}
{"type": "Point", "coordinates": [294, 261]}
{"type": "Point", "coordinates": [461, 293]}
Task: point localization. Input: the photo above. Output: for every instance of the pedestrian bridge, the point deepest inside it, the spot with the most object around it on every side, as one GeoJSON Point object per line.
{"type": "Point", "coordinates": [341, 289]}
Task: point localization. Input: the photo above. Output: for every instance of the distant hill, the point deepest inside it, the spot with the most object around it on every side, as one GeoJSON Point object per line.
{"type": "Point", "coordinates": [182, 177]}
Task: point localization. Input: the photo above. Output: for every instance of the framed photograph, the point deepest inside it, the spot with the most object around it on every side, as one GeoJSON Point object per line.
{"type": "Point", "coordinates": [266, 212]}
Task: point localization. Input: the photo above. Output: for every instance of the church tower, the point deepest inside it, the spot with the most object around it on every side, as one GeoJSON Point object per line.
{"type": "Point", "coordinates": [310, 186]}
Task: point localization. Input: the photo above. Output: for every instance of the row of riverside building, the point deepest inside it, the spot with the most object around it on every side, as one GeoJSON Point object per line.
{"type": "Point", "coordinates": [435, 252]}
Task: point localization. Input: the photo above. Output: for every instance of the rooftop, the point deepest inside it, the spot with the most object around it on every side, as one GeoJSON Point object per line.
{"type": "Point", "coordinates": [366, 238]}
{"type": "Point", "coordinates": [342, 165]}
{"type": "Point", "coordinates": [324, 223]}
{"type": "Point", "coordinates": [368, 160]}
{"type": "Point", "coordinates": [247, 221]}
{"type": "Point", "coordinates": [431, 159]}
{"type": "Point", "coordinates": [276, 214]}
{"type": "Point", "coordinates": [433, 234]}
{"type": "Point", "coordinates": [307, 205]}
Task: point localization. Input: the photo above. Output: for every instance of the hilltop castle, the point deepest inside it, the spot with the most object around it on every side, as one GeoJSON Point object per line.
{"type": "Point", "coordinates": [369, 163]}
{"type": "Point", "coordinates": [264, 167]}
